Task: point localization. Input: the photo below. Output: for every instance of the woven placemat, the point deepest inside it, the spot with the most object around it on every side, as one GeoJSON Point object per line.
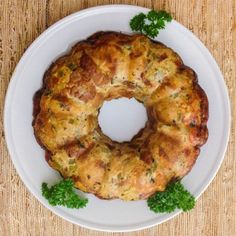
{"type": "Point", "coordinates": [213, 21]}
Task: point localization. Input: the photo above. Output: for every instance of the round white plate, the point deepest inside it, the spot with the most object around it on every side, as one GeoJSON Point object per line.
{"type": "Point", "coordinates": [28, 157]}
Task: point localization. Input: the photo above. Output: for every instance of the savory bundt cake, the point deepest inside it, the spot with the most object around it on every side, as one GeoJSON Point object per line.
{"type": "Point", "coordinates": [110, 65]}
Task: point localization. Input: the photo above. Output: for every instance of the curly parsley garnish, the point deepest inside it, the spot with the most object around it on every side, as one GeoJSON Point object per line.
{"type": "Point", "coordinates": [63, 194]}
{"type": "Point", "coordinates": [175, 196]}
{"type": "Point", "coordinates": [151, 23]}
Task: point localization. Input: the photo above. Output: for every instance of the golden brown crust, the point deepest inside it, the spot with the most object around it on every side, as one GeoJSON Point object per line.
{"type": "Point", "coordinates": [110, 65]}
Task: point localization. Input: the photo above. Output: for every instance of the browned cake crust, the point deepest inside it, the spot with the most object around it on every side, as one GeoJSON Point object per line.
{"type": "Point", "coordinates": [110, 65]}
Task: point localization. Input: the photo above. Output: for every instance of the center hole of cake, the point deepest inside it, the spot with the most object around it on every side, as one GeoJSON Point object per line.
{"type": "Point", "coordinates": [121, 119]}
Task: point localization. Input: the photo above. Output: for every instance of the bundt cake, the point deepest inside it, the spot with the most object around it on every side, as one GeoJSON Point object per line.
{"type": "Point", "coordinates": [110, 65]}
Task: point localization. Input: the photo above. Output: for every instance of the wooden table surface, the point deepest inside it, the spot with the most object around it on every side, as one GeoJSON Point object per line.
{"type": "Point", "coordinates": [213, 21]}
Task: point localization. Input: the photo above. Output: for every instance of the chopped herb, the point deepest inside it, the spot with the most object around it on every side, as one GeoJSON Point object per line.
{"type": "Point", "coordinates": [120, 177]}
{"type": "Point", "coordinates": [127, 47]}
{"type": "Point", "coordinates": [174, 95]}
{"type": "Point", "coordinates": [151, 23]}
{"type": "Point", "coordinates": [47, 92]}
{"type": "Point", "coordinates": [71, 121]}
{"type": "Point", "coordinates": [175, 196]}
{"type": "Point", "coordinates": [63, 194]}
{"type": "Point", "coordinates": [188, 96]}
{"type": "Point", "coordinates": [71, 161]}
{"type": "Point", "coordinates": [179, 116]}
{"type": "Point", "coordinates": [54, 128]}
{"type": "Point", "coordinates": [72, 66]}
{"type": "Point", "coordinates": [72, 168]}
{"type": "Point", "coordinates": [151, 171]}
{"type": "Point", "coordinates": [61, 104]}
{"type": "Point", "coordinates": [61, 73]}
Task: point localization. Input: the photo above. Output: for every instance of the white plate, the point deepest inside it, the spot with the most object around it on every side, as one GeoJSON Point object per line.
{"type": "Point", "coordinates": [28, 157]}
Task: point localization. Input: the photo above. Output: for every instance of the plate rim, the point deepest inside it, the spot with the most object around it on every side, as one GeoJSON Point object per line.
{"type": "Point", "coordinates": [10, 143]}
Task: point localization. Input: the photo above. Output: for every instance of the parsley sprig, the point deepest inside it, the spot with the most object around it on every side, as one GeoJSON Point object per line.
{"type": "Point", "coordinates": [175, 196]}
{"type": "Point", "coordinates": [151, 23]}
{"type": "Point", "coordinates": [63, 194]}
